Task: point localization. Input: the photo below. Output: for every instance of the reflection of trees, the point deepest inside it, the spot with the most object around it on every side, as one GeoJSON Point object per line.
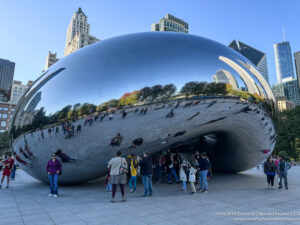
{"type": "Point", "coordinates": [157, 93]}
{"type": "Point", "coordinates": [204, 88]}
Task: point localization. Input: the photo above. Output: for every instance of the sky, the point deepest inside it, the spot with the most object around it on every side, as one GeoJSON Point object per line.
{"type": "Point", "coordinates": [31, 28]}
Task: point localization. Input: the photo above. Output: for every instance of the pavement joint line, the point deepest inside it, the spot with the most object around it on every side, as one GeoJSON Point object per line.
{"type": "Point", "coordinates": [14, 196]}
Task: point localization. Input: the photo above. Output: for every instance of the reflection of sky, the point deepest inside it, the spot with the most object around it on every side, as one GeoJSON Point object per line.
{"type": "Point", "coordinates": [110, 68]}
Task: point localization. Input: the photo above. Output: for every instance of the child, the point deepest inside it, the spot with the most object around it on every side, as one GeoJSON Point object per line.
{"type": "Point", "coordinates": [133, 172]}
{"type": "Point", "coordinates": [192, 179]}
{"type": "Point", "coordinates": [182, 175]}
{"type": "Point", "coordinates": [107, 182]}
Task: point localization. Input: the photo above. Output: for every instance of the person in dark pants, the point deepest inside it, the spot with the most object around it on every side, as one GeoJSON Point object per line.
{"type": "Point", "coordinates": [53, 168]}
{"type": "Point", "coordinates": [270, 170]}
{"type": "Point", "coordinates": [146, 172]}
{"type": "Point", "coordinates": [283, 167]}
{"type": "Point", "coordinates": [203, 168]}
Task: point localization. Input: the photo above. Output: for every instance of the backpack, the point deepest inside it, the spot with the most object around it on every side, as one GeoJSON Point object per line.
{"type": "Point", "coordinates": [123, 168]}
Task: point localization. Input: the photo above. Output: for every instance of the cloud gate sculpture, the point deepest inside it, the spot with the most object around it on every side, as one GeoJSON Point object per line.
{"type": "Point", "coordinates": [145, 92]}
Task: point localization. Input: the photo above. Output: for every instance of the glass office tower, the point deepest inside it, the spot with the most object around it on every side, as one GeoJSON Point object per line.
{"type": "Point", "coordinates": [283, 61]}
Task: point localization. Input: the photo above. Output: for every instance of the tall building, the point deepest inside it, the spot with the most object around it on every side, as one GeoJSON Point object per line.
{"type": "Point", "coordinates": [288, 89]}
{"type": "Point", "coordinates": [283, 61]}
{"type": "Point", "coordinates": [50, 60]}
{"type": "Point", "coordinates": [292, 91]}
{"type": "Point", "coordinates": [171, 23]}
{"type": "Point", "coordinates": [6, 115]}
{"type": "Point", "coordinates": [224, 76]}
{"type": "Point", "coordinates": [258, 58]}
{"type": "Point", "coordinates": [297, 65]}
{"type": "Point", "coordinates": [18, 90]}
{"type": "Point", "coordinates": [7, 69]}
{"type": "Point", "coordinates": [78, 33]}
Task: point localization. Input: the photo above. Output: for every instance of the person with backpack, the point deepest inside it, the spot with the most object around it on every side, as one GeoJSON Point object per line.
{"type": "Point", "coordinates": [133, 172]}
{"type": "Point", "coordinates": [54, 169]}
{"type": "Point", "coordinates": [146, 172]}
{"type": "Point", "coordinates": [283, 171]}
{"type": "Point", "coordinates": [118, 174]}
{"type": "Point", "coordinates": [270, 170]}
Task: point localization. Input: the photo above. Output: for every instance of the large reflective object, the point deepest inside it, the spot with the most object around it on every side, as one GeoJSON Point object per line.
{"type": "Point", "coordinates": [145, 92]}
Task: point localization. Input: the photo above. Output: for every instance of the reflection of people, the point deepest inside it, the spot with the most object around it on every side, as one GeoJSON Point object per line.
{"type": "Point", "coordinates": [64, 157]}
{"type": "Point", "coordinates": [56, 130]}
{"type": "Point", "coordinates": [116, 141]}
{"type": "Point", "coordinates": [137, 142]}
{"type": "Point", "coordinates": [78, 128]}
{"type": "Point", "coordinates": [53, 168]}
{"type": "Point", "coordinates": [118, 174]}
{"type": "Point", "coordinates": [8, 165]}
{"type": "Point", "coordinates": [24, 154]}
{"type": "Point", "coordinates": [170, 114]}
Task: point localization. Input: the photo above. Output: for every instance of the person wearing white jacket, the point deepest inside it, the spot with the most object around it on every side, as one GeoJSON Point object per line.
{"type": "Point", "coordinates": [192, 179]}
{"type": "Point", "coordinates": [182, 175]}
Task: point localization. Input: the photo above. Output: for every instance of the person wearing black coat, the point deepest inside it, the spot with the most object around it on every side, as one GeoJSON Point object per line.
{"type": "Point", "coordinates": [270, 169]}
{"type": "Point", "coordinates": [146, 172]}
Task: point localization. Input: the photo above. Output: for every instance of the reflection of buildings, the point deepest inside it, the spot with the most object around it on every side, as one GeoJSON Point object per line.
{"type": "Point", "coordinates": [258, 58]}
{"type": "Point", "coordinates": [7, 70]}
{"type": "Point", "coordinates": [78, 33]}
{"type": "Point", "coordinates": [289, 89]}
{"type": "Point", "coordinates": [18, 90]}
{"type": "Point", "coordinates": [284, 104]}
{"type": "Point", "coordinates": [283, 61]}
{"type": "Point", "coordinates": [224, 76]}
{"type": "Point", "coordinates": [6, 115]}
{"type": "Point", "coordinates": [297, 64]}
{"type": "Point", "coordinates": [50, 60]}
{"type": "Point", "coordinates": [171, 23]}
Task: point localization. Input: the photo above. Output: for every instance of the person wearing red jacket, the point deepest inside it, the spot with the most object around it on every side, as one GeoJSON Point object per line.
{"type": "Point", "coordinates": [8, 165]}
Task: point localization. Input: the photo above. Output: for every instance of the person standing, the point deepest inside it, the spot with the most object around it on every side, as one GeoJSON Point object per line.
{"type": "Point", "coordinates": [54, 169]}
{"type": "Point", "coordinates": [13, 172]}
{"type": "Point", "coordinates": [192, 179]}
{"type": "Point", "coordinates": [283, 168]}
{"type": "Point", "coordinates": [7, 167]}
{"type": "Point", "coordinates": [146, 172]}
{"type": "Point", "coordinates": [270, 170]}
{"type": "Point", "coordinates": [203, 169]}
{"type": "Point", "coordinates": [133, 172]}
{"type": "Point", "coordinates": [118, 169]}
{"type": "Point", "coordinates": [183, 177]}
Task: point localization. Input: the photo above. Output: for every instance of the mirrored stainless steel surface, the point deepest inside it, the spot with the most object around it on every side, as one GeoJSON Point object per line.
{"type": "Point", "coordinates": [145, 92]}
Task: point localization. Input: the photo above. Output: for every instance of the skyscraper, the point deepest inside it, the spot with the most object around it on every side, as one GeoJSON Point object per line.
{"type": "Point", "coordinates": [171, 23]}
{"type": "Point", "coordinates": [292, 91]}
{"type": "Point", "coordinates": [7, 70]}
{"type": "Point", "coordinates": [297, 65]}
{"type": "Point", "coordinates": [50, 60]}
{"type": "Point", "coordinates": [258, 58]}
{"type": "Point", "coordinates": [78, 33]}
{"type": "Point", "coordinates": [18, 90]}
{"type": "Point", "coordinates": [283, 61]}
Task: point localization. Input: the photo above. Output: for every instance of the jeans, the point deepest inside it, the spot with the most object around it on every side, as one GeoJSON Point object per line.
{"type": "Point", "coordinates": [13, 173]}
{"type": "Point", "coordinates": [184, 185]}
{"type": "Point", "coordinates": [108, 187]}
{"type": "Point", "coordinates": [53, 178]}
{"type": "Point", "coordinates": [147, 181]}
{"type": "Point", "coordinates": [172, 173]}
{"type": "Point", "coordinates": [203, 179]}
{"type": "Point", "coordinates": [283, 174]}
{"type": "Point", "coordinates": [132, 179]}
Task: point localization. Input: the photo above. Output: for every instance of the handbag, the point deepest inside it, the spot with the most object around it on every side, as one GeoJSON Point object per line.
{"type": "Point", "coordinates": [123, 168]}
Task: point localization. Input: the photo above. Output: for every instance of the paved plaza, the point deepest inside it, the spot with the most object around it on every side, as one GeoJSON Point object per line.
{"type": "Point", "coordinates": [26, 202]}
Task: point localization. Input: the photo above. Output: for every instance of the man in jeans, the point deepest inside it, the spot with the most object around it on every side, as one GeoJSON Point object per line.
{"type": "Point", "coordinates": [146, 172]}
{"type": "Point", "coordinates": [203, 169]}
{"type": "Point", "coordinates": [283, 167]}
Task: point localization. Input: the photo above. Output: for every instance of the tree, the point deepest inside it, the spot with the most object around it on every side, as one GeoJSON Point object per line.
{"type": "Point", "coordinates": [168, 90]}
{"type": "Point", "coordinates": [189, 88]}
{"type": "Point", "coordinates": [4, 142]}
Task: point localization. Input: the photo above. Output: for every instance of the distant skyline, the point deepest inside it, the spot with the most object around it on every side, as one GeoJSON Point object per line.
{"type": "Point", "coordinates": [30, 28]}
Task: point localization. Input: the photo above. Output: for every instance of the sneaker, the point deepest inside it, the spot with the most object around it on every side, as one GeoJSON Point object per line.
{"type": "Point", "coordinates": [279, 187]}
{"type": "Point", "coordinates": [193, 193]}
{"type": "Point", "coordinates": [286, 188]}
{"type": "Point", "coordinates": [112, 200]}
{"type": "Point", "coordinates": [7, 186]}
{"type": "Point", "coordinates": [131, 191]}
{"type": "Point", "coordinates": [178, 182]}
{"type": "Point", "coordinates": [50, 195]}
{"type": "Point", "coordinates": [145, 196]}
{"type": "Point", "coordinates": [123, 199]}
{"type": "Point", "coordinates": [0, 186]}
{"type": "Point", "coordinates": [55, 196]}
